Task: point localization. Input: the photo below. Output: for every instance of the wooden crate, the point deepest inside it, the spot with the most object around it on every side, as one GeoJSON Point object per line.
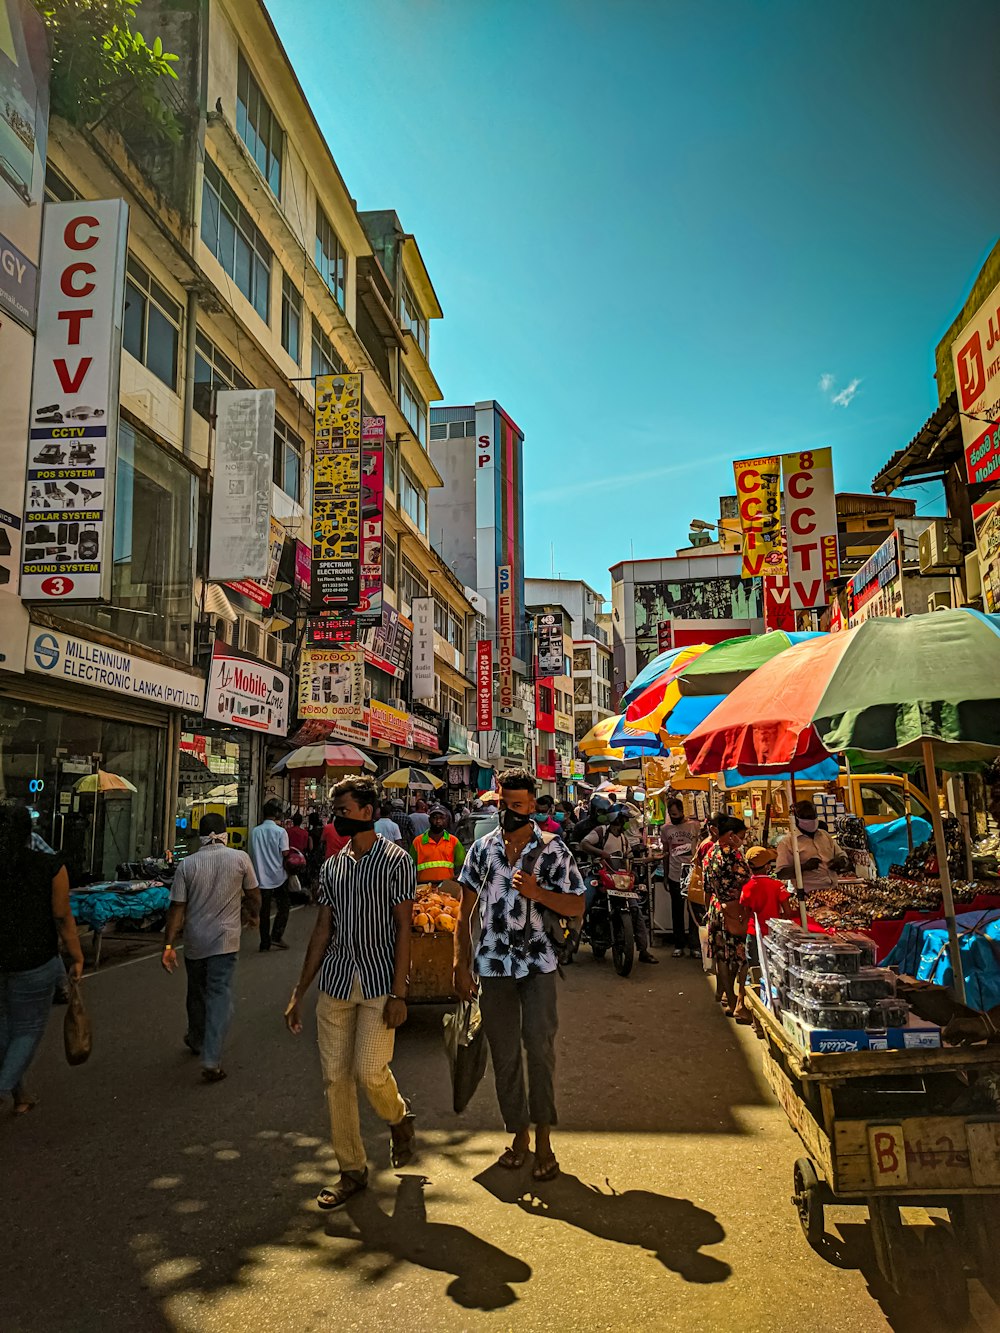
{"type": "Point", "coordinates": [432, 962]}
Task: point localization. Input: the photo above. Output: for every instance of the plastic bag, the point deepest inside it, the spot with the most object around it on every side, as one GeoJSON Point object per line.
{"type": "Point", "coordinates": [707, 963]}
{"type": "Point", "coordinates": [465, 1043]}
{"type": "Point", "coordinates": [77, 1036]}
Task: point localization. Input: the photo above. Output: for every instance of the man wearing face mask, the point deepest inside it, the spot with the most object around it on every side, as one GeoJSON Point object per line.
{"type": "Point", "coordinates": [819, 856]}
{"type": "Point", "coordinates": [679, 838]}
{"type": "Point", "coordinates": [360, 946]}
{"type": "Point", "coordinates": [509, 877]}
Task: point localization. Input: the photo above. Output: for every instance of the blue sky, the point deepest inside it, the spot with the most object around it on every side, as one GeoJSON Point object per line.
{"type": "Point", "coordinates": [667, 235]}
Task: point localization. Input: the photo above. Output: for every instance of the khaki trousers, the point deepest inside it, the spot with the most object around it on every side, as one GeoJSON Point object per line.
{"type": "Point", "coordinates": [355, 1047]}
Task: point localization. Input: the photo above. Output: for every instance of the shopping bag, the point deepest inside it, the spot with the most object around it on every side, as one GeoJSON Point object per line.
{"type": "Point", "coordinates": [694, 889]}
{"type": "Point", "coordinates": [707, 963]}
{"type": "Point", "coordinates": [465, 1043]}
{"type": "Point", "coordinates": [77, 1037]}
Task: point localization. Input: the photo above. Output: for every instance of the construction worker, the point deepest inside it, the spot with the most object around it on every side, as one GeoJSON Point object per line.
{"type": "Point", "coordinates": [437, 854]}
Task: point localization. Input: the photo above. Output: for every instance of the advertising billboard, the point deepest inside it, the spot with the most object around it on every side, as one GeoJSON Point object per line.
{"type": "Point", "coordinates": [977, 382]}
{"type": "Point", "coordinates": [369, 610]}
{"type": "Point", "coordinates": [336, 556]}
{"type": "Point", "coordinates": [262, 591]}
{"type": "Point", "coordinates": [505, 635]}
{"type": "Point", "coordinates": [422, 653]}
{"type": "Point", "coordinates": [549, 641]}
{"type": "Point", "coordinates": [877, 588]}
{"type": "Point", "coordinates": [484, 685]}
{"type": "Point", "coordinates": [810, 521]}
{"type": "Point", "coordinates": [332, 684]}
{"type": "Point", "coordinates": [240, 535]}
{"type": "Point", "coordinates": [758, 495]}
{"type": "Point", "coordinates": [243, 692]}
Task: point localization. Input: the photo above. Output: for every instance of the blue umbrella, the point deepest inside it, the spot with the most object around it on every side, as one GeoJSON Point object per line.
{"type": "Point", "coordinates": [650, 672]}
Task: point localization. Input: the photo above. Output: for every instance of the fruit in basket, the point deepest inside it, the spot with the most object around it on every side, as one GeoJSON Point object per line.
{"type": "Point", "coordinates": [421, 921]}
{"type": "Point", "coordinates": [435, 912]}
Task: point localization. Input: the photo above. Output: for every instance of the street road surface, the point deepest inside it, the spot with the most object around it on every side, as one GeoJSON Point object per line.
{"type": "Point", "coordinates": [135, 1197]}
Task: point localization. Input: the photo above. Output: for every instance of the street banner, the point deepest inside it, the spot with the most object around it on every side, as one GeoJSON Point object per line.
{"type": "Point", "coordinates": [505, 635]}
{"type": "Point", "coordinates": [303, 566]}
{"type": "Point", "coordinates": [422, 660]}
{"type": "Point", "coordinates": [877, 588]}
{"type": "Point", "coordinates": [332, 684]}
{"type": "Point", "coordinates": [549, 635]}
{"type": "Point", "coordinates": [336, 571]}
{"type": "Point", "coordinates": [484, 685]}
{"type": "Point", "coordinates": [390, 724]}
{"type": "Point", "coordinates": [73, 434]}
{"type": "Point", "coordinates": [664, 636]}
{"type": "Point", "coordinates": [262, 591]}
{"type": "Point", "coordinates": [387, 646]}
{"type": "Point", "coordinates": [810, 521]}
{"type": "Point", "coordinates": [240, 534]}
{"type": "Point", "coordinates": [372, 511]}
{"type": "Point", "coordinates": [758, 494]}
{"type": "Point", "coordinates": [988, 551]}
{"type": "Point", "coordinates": [977, 381]}
{"type": "Point", "coordinates": [245, 693]}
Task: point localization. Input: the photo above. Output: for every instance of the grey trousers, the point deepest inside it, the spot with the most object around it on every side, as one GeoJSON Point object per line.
{"type": "Point", "coordinates": [521, 1020]}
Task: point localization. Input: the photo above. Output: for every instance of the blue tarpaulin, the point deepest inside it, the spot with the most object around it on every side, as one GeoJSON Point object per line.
{"type": "Point", "coordinates": [922, 952]}
{"type": "Point", "coordinates": [889, 844]}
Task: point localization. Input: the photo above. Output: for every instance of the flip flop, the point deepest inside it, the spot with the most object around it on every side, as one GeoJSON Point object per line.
{"type": "Point", "coordinates": [543, 1171]}
{"type": "Point", "coordinates": [511, 1159]}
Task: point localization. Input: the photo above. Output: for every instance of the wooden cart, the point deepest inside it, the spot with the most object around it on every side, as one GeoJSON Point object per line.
{"type": "Point", "coordinates": [432, 967]}
{"type": "Point", "coordinates": [888, 1129]}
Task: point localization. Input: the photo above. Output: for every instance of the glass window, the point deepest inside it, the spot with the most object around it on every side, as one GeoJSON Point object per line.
{"type": "Point", "coordinates": [325, 360]}
{"type": "Point", "coordinates": [291, 317]}
{"type": "Point", "coordinates": [152, 584]}
{"type": "Point", "coordinates": [439, 432]}
{"type": "Point", "coordinates": [236, 241]}
{"type": "Point", "coordinates": [213, 370]}
{"type": "Point", "coordinates": [258, 128]}
{"type": "Point", "coordinates": [411, 583]}
{"type": "Point", "coordinates": [411, 318]}
{"type": "Point", "coordinates": [331, 258]}
{"type": "Point", "coordinates": [389, 463]}
{"type": "Point", "coordinates": [581, 690]}
{"type": "Point", "coordinates": [287, 460]}
{"type": "Point", "coordinates": [57, 188]}
{"type": "Point", "coordinates": [581, 659]}
{"type": "Point", "coordinates": [152, 326]}
{"type": "Point", "coordinates": [389, 563]}
{"type": "Point", "coordinates": [414, 407]}
{"type": "Point", "coordinates": [545, 701]}
{"type": "Point", "coordinates": [412, 498]}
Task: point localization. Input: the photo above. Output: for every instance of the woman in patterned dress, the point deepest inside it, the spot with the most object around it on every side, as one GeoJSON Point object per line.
{"type": "Point", "coordinates": [726, 871]}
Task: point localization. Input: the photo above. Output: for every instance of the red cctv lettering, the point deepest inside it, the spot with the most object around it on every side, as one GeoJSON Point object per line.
{"type": "Point", "coordinates": [805, 552]}
{"type": "Point", "coordinates": [80, 233]}
{"type": "Point", "coordinates": [748, 479]}
{"type": "Point", "coordinates": [71, 382]}
{"type": "Point", "coordinates": [797, 480]}
{"type": "Point", "coordinates": [75, 318]}
{"type": "Point", "coordinates": [71, 237]}
{"type": "Point", "coordinates": [66, 284]}
{"type": "Point", "coordinates": [798, 524]}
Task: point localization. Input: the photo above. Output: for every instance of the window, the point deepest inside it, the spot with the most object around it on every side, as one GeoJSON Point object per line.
{"type": "Point", "coordinates": [287, 460]}
{"type": "Point", "coordinates": [581, 659]}
{"type": "Point", "coordinates": [605, 662]}
{"type": "Point", "coordinates": [412, 498]}
{"type": "Point", "coordinates": [213, 370]}
{"type": "Point", "coordinates": [291, 317]}
{"type": "Point", "coordinates": [152, 326]}
{"type": "Point", "coordinates": [411, 583]}
{"type": "Point", "coordinates": [389, 464]}
{"type": "Point", "coordinates": [236, 241]}
{"type": "Point", "coordinates": [57, 188]}
{"type": "Point", "coordinates": [449, 626]}
{"type": "Point", "coordinates": [449, 701]}
{"type": "Point", "coordinates": [389, 562]}
{"type": "Point", "coordinates": [439, 432]}
{"type": "Point", "coordinates": [414, 407]}
{"type": "Point", "coordinates": [325, 360]}
{"type": "Point", "coordinates": [546, 703]}
{"type": "Point", "coordinates": [411, 318]}
{"type": "Point", "coordinates": [581, 690]}
{"type": "Point", "coordinates": [257, 127]}
{"type": "Point", "coordinates": [331, 258]}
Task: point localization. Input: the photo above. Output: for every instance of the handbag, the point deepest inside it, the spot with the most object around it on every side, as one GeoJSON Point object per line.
{"type": "Point", "coordinates": [77, 1035]}
{"type": "Point", "coordinates": [694, 890]}
{"type": "Point", "coordinates": [465, 1044]}
{"type": "Point", "coordinates": [294, 860]}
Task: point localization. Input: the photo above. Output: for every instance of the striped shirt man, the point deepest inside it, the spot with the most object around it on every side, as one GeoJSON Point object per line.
{"type": "Point", "coordinates": [361, 893]}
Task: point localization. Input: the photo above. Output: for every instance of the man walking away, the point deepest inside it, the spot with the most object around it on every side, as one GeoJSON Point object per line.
{"type": "Point", "coordinates": [386, 826]}
{"type": "Point", "coordinates": [268, 845]}
{"type": "Point", "coordinates": [419, 818]}
{"type": "Point", "coordinates": [397, 813]}
{"type": "Point", "coordinates": [360, 946]}
{"type": "Point", "coordinates": [679, 839]}
{"type": "Point", "coordinates": [437, 854]}
{"type": "Point", "coordinates": [509, 876]}
{"type": "Point", "coordinates": [207, 898]}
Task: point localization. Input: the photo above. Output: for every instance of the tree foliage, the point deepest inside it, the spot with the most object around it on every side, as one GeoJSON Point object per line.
{"type": "Point", "coordinates": [104, 70]}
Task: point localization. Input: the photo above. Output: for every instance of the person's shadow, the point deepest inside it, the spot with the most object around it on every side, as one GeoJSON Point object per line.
{"type": "Point", "coordinates": [673, 1230]}
{"type": "Point", "coordinates": [483, 1272]}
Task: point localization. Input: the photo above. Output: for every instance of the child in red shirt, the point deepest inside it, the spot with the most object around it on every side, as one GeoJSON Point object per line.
{"type": "Point", "coordinates": [764, 897]}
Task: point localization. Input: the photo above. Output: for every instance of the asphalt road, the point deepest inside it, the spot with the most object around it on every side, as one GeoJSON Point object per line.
{"type": "Point", "coordinates": [135, 1197]}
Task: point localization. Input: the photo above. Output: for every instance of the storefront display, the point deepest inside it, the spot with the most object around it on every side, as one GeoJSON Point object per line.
{"type": "Point", "coordinates": [218, 775]}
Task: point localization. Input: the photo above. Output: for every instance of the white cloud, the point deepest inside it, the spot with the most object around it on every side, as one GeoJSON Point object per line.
{"type": "Point", "coordinates": [847, 394]}
{"type": "Point", "coordinates": [826, 382]}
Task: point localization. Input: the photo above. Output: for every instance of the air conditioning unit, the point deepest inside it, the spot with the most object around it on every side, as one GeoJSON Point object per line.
{"type": "Point", "coordinates": [939, 553]}
{"type": "Point", "coordinates": [288, 655]}
{"type": "Point", "coordinates": [973, 578]}
{"type": "Point", "coordinates": [225, 630]}
{"type": "Point", "coordinates": [396, 702]}
{"type": "Point", "coordinates": [251, 636]}
{"type": "Point", "coordinates": [939, 601]}
{"type": "Point", "coordinates": [272, 649]}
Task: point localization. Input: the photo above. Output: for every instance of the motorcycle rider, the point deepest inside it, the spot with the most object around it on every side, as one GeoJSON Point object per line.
{"type": "Point", "coordinates": [609, 843]}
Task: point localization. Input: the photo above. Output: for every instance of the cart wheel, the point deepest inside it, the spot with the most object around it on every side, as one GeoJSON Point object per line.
{"type": "Point", "coordinates": [808, 1201]}
{"type": "Point", "coordinates": [943, 1274]}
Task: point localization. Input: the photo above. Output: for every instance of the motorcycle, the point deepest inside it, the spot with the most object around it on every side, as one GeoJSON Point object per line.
{"type": "Point", "coordinates": [608, 921]}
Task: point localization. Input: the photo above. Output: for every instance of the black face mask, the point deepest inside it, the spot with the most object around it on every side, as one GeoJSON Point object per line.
{"type": "Point", "coordinates": [511, 821]}
{"type": "Point", "coordinates": [347, 827]}
{"type": "Point", "coordinates": [677, 819]}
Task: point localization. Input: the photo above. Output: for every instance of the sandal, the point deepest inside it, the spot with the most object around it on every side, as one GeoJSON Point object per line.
{"type": "Point", "coordinates": [512, 1159]}
{"type": "Point", "coordinates": [547, 1170]}
{"type": "Point", "coordinates": [22, 1108]}
{"type": "Point", "coordinates": [349, 1184]}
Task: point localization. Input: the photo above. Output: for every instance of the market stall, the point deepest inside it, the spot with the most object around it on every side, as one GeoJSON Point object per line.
{"type": "Point", "coordinates": [120, 907]}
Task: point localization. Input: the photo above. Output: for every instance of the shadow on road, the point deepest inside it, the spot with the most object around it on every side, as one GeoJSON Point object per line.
{"type": "Point", "coordinates": [483, 1272]}
{"type": "Point", "coordinates": [673, 1230]}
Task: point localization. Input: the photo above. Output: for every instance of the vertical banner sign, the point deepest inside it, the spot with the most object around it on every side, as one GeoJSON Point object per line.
{"type": "Point", "coordinates": [977, 368]}
{"type": "Point", "coordinates": [758, 494]}
{"type": "Point", "coordinates": [505, 635]}
{"type": "Point", "coordinates": [484, 685]}
{"type": "Point", "coordinates": [73, 435]}
{"type": "Point", "coordinates": [332, 684]}
{"type": "Point", "coordinates": [239, 544]}
{"type": "Point", "coordinates": [422, 660]}
{"type": "Point", "coordinates": [372, 510]}
{"type": "Point", "coordinates": [664, 636]}
{"type": "Point", "coordinates": [262, 591]}
{"type": "Point", "coordinates": [810, 525]}
{"type": "Point", "coordinates": [988, 550]}
{"type": "Point", "coordinates": [551, 657]}
{"type": "Point", "coordinates": [336, 572]}
{"type": "Point", "coordinates": [777, 592]}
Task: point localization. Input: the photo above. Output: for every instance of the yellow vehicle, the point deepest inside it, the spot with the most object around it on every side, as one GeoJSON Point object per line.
{"type": "Point", "coordinates": [877, 798]}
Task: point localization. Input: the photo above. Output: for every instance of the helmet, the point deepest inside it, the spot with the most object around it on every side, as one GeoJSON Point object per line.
{"type": "Point", "coordinates": [600, 807]}
{"type": "Point", "coordinates": [618, 811]}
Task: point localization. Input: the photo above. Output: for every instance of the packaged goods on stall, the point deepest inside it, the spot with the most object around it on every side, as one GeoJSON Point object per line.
{"type": "Point", "coordinates": [856, 906]}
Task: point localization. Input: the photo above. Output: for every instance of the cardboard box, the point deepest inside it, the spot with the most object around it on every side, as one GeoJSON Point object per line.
{"type": "Point", "coordinates": [827, 1041]}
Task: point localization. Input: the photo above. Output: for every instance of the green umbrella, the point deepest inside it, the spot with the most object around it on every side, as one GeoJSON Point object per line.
{"type": "Point", "coordinates": [723, 666]}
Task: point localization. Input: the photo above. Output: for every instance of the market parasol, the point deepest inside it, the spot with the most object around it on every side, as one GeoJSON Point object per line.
{"type": "Point", "coordinates": [724, 665]}
{"type": "Point", "coordinates": [312, 761]}
{"type": "Point", "coordinates": [102, 781]}
{"type": "Point", "coordinates": [597, 741]}
{"type": "Point", "coordinates": [646, 708]}
{"type": "Point", "coordinates": [416, 778]}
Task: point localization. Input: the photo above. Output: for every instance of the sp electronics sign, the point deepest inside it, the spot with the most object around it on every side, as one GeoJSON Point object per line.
{"type": "Point", "coordinates": [810, 526]}
{"type": "Point", "coordinates": [505, 634]}
{"type": "Point", "coordinates": [73, 432]}
{"type": "Point", "coordinates": [976, 357]}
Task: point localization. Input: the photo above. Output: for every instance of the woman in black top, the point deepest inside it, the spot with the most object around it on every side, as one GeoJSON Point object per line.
{"type": "Point", "coordinates": [34, 916]}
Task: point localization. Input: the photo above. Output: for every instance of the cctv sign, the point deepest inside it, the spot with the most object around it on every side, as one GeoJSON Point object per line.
{"type": "Point", "coordinates": [810, 509]}
{"type": "Point", "coordinates": [73, 430]}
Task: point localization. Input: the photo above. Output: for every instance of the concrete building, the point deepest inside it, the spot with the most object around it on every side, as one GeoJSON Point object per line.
{"type": "Point", "coordinates": [591, 645]}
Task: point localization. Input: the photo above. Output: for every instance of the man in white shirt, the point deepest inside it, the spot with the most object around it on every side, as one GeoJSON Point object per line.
{"type": "Point", "coordinates": [679, 837]}
{"type": "Point", "coordinates": [819, 855]}
{"type": "Point", "coordinates": [268, 844]}
{"type": "Point", "coordinates": [386, 827]}
{"type": "Point", "coordinates": [611, 844]}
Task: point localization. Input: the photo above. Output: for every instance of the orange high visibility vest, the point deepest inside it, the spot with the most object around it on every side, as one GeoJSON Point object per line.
{"type": "Point", "coordinates": [435, 860]}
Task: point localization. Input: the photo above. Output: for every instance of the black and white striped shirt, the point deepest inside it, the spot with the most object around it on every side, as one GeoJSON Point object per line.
{"type": "Point", "coordinates": [361, 895]}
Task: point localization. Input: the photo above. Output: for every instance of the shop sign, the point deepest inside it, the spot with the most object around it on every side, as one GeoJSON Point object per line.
{"type": "Point", "coordinates": [372, 512]}
{"type": "Point", "coordinates": [303, 566]}
{"type": "Point", "coordinates": [389, 724]}
{"type": "Point", "coordinates": [811, 526]}
{"type": "Point", "coordinates": [505, 635]}
{"type": "Point", "coordinates": [73, 431]}
{"type": "Point", "coordinates": [758, 494]}
{"type": "Point", "coordinates": [988, 551]}
{"type": "Point", "coordinates": [484, 685]}
{"type": "Point", "coordinates": [243, 692]}
{"type": "Point", "coordinates": [877, 588]}
{"type": "Point", "coordinates": [336, 553]}
{"type": "Point", "coordinates": [332, 683]}
{"type": "Point", "coordinates": [425, 736]}
{"type": "Point", "coordinates": [330, 629]}
{"type": "Point", "coordinates": [551, 653]}
{"type": "Point", "coordinates": [422, 678]}
{"type": "Point", "coordinates": [239, 545]}
{"type": "Point", "coordinates": [357, 731]}
{"type": "Point", "coordinates": [664, 636]}
{"type": "Point", "coordinates": [977, 379]}
{"type": "Point", "coordinates": [262, 592]}
{"type": "Point", "coordinates": [387, 646]}
{"type": "Point", "coordinates": [79, 662]}
{"type": "Point", "coordinates": [564, 722]}
{"type": "Point", "coordinates": [24, 96]}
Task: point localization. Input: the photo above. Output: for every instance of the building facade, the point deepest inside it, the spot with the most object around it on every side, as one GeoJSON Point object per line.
{"type": "Point", "coordinates": [590, 655]}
